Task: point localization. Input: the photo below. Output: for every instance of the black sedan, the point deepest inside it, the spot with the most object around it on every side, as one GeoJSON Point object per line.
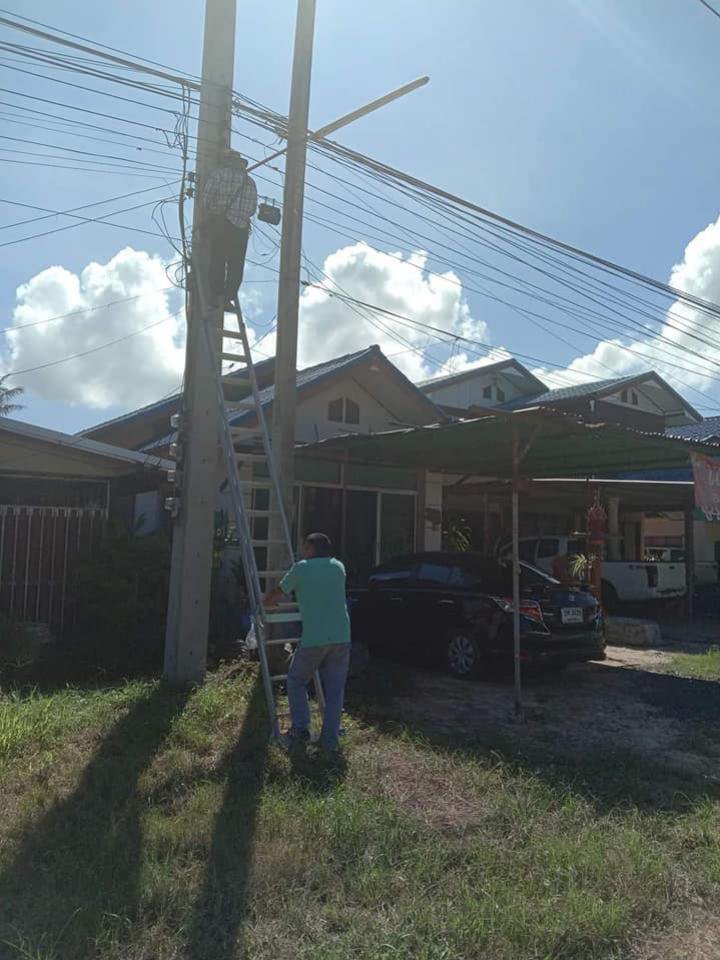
{"type": "Point", "coordinates": [456, 610]}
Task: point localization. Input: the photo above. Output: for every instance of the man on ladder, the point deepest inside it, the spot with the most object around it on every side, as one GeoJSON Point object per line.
{"type": "Point", "coordinates": [318, 582]}
{"type": "Point", "coordinates": [230, 199]}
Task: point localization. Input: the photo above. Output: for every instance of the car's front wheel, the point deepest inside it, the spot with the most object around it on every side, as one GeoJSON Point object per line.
{"type": "Point", "coordinates": [463, 655]}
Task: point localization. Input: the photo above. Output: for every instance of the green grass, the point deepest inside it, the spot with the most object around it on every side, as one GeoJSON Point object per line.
{"type": "Point", "coordinates": [699, 666]}
{"type": "Point", "coordinates": [142, 824]}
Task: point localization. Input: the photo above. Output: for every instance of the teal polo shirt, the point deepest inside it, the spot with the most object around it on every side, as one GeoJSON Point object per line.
{"type": "Point", "coordinates": [319, 586]}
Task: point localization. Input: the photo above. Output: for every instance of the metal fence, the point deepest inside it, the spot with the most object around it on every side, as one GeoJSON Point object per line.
{"type": "Point", "coordinates": [40, 552]}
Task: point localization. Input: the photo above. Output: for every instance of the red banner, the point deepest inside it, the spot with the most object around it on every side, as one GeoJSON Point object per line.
{"type": "Point", "coordinates": [706, 472]}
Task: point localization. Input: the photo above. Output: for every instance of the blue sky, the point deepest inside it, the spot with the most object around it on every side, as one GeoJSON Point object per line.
{"type": "Point", "coordinates": [592, 120]}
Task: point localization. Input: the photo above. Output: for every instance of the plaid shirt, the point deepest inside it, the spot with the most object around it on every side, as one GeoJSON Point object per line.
{"type": "Point", "coordinates": [231, 192]}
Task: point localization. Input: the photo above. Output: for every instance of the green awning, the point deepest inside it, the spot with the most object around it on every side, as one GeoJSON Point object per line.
{"type": "Point", "coordinates": [551, 444]}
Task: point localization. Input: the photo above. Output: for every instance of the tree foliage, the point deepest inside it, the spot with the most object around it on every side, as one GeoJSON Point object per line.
{"type": "Point", "coordinates": [9, 397]}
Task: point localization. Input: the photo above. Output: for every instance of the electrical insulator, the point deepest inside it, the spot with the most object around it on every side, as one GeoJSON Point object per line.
{"type": "Point", "coordinates": [191, 176]}
{"type": "Point", "coordinates": [189, 192]}
{"type": "Point", "coordinates": [175, 451]}
{"type": "Point", "coordinates": [174, 477]}
{"type": "Point", "coordinates": [172, 505]}
{"type": "Point", "coordinates": [176, 421]}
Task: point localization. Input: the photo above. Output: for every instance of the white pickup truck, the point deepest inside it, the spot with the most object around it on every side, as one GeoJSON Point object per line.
{"type": "Point", "coordinates": [621, 581]}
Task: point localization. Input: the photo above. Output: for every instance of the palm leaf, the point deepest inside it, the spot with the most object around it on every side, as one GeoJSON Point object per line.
{"type": "Point", "coordinates": [7, 397]}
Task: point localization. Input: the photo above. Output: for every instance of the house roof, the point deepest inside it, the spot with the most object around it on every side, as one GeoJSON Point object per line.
{"type": "Point", "coordinates": [169, 404]}
{"type": "Point", "coordinates": [596, 389]}
{"type": "Point", "coordinates": [68, 443]}
{"type": "Point", "coordinates": [486, 446]}
{"type": "Point", "coordinates": [427, 386]}
{"type": "Point", "coordinates": [708, 430]}
{"type": "Point", "coordinates": [311, 377]}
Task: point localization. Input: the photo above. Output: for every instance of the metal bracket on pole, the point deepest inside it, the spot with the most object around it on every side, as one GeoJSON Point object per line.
{"type": "Point", "coordinates": [516, 574]}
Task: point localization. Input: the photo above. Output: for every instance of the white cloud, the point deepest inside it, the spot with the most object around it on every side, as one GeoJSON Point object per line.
{"type": "Point", "coordinates": [329, 327]}
{"type": "Point", "coordinates": [133, 372]}
{"type": "Point", "coordinates": [697, 274]}
{"type": "Point", "coordinates": [147, 366]}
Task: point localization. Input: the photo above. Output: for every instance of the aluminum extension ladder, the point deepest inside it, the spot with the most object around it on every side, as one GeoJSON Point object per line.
{"type": "Point", "coordinates": [256, 498]}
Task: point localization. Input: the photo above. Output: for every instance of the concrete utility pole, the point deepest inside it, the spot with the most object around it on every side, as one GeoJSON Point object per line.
{"type": "Point", "coordinates": [283, 424]}
{"type": "Point", "coordinates": [189, 597]}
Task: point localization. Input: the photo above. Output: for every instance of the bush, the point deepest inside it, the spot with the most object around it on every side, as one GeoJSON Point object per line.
{"type": "Point", "coordinates": [21, 645]}
{"type": "Point", "coordinates": [120, 604]}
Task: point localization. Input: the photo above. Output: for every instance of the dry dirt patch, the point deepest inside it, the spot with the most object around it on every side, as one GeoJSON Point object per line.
{"type": "Point", "coordinates": [696, 937]}
{"type": "Point", "coordinates": [430, 786]}
{"type": "Point", "coordinates": [595, 705]}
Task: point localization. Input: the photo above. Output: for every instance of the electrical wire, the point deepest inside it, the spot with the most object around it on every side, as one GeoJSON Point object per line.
{"type": "Point", "coordinates": [71, 210]}
{"type": "Point", "coordinates": [146, 165]}
{"type": "Point", "coordinates": [95, 43]}
{"type": "Point", "coordinates": [82, 220]}
{"type": "Point", "coordinates": [503, 231]}
{"type": "Point", "coordinates": [102, 346]}
{"type": "Point", "coordinates": [84, 312]}
{"type": "Point", "coordinates": [713, 11]}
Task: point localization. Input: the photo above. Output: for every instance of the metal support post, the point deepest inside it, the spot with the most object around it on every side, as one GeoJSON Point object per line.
{"type": "Point", "coordinates": [516, 577]}
{"type": "Point", "coordinates": [690, 559]}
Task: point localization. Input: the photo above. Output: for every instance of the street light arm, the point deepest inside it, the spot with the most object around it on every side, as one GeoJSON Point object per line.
{"type": "Point", "coordinates": [349, 118]}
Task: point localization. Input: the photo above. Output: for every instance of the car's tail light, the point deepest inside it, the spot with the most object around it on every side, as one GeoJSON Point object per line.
{"type": "Point", "coordinates": [528, 608]}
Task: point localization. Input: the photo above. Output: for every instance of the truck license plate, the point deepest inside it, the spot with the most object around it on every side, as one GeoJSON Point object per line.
{"type": "Point", "coordinates": [571, 614]}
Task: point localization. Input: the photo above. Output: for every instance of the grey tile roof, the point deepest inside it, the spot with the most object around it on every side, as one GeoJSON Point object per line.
{"type": "Point", "coordinates": [506, 362]}
{"type": "Point", "coordinates": [167, 404]}
{"type": "Point", "coordinates": [305, 378]}
{"type": "Point", "coordinates": [590, 389]}
{"type": "Point", "coordinates": [66, 441]}
{"type": "Point", "coordinates": [709, 427]}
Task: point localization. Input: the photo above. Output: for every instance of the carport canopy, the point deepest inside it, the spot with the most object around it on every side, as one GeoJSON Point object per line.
{"type": "Point", "coordinates": [537, 442]}
{"type": "Point", "coordinates": [532, 444]}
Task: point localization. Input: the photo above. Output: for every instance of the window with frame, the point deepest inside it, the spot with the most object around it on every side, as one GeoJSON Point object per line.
{"type": "Point", "coordinates": [500, 394]}
{"type": "Point", "coordinates": [344, 410]}
{"type": "Point", "coordinates": [634, 398]}
{"type": "Point", "coordinates": [487, 392]}
{"type": "Point", "coordinates": [335, 410]}
{"type": "Point", "coordinates": [624, 396]}
{"type": "Point", "coordinates": [352, 411]}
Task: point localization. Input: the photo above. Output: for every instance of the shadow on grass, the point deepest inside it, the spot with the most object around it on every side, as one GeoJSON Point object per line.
{"type": "Point", "coordinates": [317, 772]}
{"type": "Point", "coordinates": [220, 913]}
{"type": "Point", "coordinates": [607, 774]}
{"type": "Point", "coordinates": [77, 870]}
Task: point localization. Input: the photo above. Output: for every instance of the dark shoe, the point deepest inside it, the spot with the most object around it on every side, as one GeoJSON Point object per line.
{"type": "Point", "coordinates": [230, 307]}
{"type": "Point", "coordinates": [293, 737]}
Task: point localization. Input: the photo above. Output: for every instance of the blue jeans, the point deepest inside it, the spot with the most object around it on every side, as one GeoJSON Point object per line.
{"type": "Point", "coordinates": [332, 662]}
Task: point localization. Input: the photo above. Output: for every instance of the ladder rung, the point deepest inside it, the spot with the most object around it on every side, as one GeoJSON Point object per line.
{"type": "Point", "coordinates": [267, 543]}
{"type": "Point", "coordinates": [281, 642]}
{"type": "Point", "coordinates": [256, 484]}
{"type": "Point", "coordinates": [263, 513]}
{"type": "Point", "coordinates": [278, 677]}
{"type": "Point", "coordinates": [288, 617]}
{"type": "Point", "coordinates": [233, 334]}
{"type": "Point", "coordinates": [241, 455]}
{"type": "Point", "coordinates": [234, 357]}
{"type": "Point", "coordinates": [240, 431]}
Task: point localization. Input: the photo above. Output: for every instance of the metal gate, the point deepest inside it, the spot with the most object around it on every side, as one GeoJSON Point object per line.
{"type": "Point", "coordinates": [40, 551]}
